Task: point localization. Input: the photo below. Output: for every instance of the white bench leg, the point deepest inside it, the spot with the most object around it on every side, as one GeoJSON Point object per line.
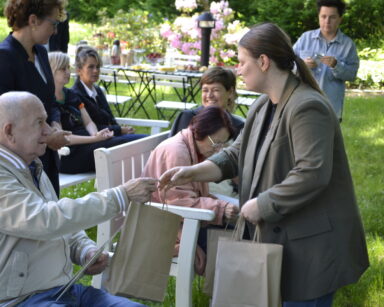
{"type": "Point", "coordinates": [185, 265]}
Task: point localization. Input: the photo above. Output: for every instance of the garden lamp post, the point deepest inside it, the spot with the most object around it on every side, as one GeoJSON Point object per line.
{"type": "Point", "coordinates": [206, 23]}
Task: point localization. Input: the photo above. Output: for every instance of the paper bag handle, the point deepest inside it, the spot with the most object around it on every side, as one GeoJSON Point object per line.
{"type": "Point", "coordinates": [239, 230]}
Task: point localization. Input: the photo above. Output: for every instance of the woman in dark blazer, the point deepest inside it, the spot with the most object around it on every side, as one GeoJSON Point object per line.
{"type": "Point", "coordinates": [85, 137]}
{"type": "Point", "coordinates": [88, 63]}
{"type": "Point", "coordinates": [24, 66]}
{"type": "Point", "coordinates": [295, 180]}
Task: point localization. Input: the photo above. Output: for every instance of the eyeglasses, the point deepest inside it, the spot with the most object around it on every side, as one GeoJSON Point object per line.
{"type": "Point", "coordinates": [53, 22]}
{"type": "Point", "coordinates": [217, 146]}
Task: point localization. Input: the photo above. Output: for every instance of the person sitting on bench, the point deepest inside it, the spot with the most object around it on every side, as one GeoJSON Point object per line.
{"type": "Point", "coordinates": [191, 146]}
{"type": "Point", "coordinates": [40, 236]}
{"type": "Point", "coordinates": [88, 63]}
{"type": "Point", "coordinates": [85, 136]}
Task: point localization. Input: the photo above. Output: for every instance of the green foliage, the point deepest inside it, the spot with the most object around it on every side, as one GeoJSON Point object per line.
{"type": "Point", "coordinates": [4, 29]}
{"type": "Point", "coordinates": [370, 74]}
{"type": "Point", "coordinates": [86, 10]}
{"type": "Point", "coordinates": [79, 31]}
{"type": "Point", "coordinates": [364, 21]}
{"type": "Point", "coordinates": [295, 16]}
{"type": "Point", "coordinates": [134, 27]}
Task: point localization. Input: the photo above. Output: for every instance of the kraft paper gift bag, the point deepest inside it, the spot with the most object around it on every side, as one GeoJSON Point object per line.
{"type": "Point", "coordinates": [142, 260]}
{"type": "Point", "coordinates": [212, 240]}
{"type": "Point", "coordinates": [247, 273]}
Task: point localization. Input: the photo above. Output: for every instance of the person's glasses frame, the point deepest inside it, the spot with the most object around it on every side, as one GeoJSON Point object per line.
{"type": "Point", "coordinates": [53, 22]}
{"type": "Point", "coordinates": [217, 146]}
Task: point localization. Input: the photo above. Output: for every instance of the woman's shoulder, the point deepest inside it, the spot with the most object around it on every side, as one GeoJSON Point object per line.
{"type": "Point", "coordinates": [71, 97]}
{"type": "Point", "coordinates": [78, 88]}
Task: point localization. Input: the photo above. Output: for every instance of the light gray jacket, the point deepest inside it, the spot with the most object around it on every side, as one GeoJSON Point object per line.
{"type": "Point", "coordinates": [41, 236]}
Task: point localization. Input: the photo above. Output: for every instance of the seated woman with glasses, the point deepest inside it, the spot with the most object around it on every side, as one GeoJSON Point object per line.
{"type": "Point", "coordinates": [85, 136]}
{"type": "Point", "coordinates": [88, 63]}
{"type": "Point", "coordinates": [191, 146]}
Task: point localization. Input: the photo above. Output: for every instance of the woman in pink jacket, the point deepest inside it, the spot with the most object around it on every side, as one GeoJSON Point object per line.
{"type": "Point", "coordinates": [208, 132]}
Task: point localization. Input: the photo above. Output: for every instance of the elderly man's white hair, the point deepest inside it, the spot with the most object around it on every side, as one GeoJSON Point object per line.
{"type": "Point", "coordinates": [13, 106]}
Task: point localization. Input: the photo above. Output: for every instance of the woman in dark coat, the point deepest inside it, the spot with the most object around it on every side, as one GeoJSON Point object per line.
{"type": "Point", "coordinates": [295, 180]}
{"type": "Point", "coordinates": [85, 136]}
{"type": "Point", "coordinates": [24, 66]}
{"type": "Point", "coordinates": [88, 63]}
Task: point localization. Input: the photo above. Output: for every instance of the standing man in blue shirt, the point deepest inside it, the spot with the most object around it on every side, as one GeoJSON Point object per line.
{"type": "Point", "coordinates": [330, 54]}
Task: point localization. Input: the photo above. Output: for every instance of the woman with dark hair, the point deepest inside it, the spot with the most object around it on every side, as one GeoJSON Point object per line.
{"type": "Point", "coordinates": [218, 88]}
{"type": "Point", "coordinates": [191, 146]}
{"type": "Point", "coordinates": [88, 63]}
{"type": "Point", "coordinates": [295, 180]}
{"type": "Point", "coordinates": [24, 66]}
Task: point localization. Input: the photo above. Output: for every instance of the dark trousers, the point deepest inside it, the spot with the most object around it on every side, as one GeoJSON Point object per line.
{"type": "Point", "coordinates": [78, 295]}
{"type": "Point", "coordinates": [81, 158]}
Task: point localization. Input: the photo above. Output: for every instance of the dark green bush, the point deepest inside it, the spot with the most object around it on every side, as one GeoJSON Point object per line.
{"type": "Point", "coordinates": [363, 20]}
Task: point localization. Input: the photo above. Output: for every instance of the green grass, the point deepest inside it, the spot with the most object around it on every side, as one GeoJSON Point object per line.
{"type": "Point", "coordinates": [363, 130]}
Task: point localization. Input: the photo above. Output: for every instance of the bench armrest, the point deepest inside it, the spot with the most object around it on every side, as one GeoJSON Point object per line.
{"type": "Point", "coordinates": [188, 213]}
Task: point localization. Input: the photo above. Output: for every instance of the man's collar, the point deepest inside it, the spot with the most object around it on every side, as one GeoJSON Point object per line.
{"type": "Point", "coordinates": [317, 34]}
{"type": "Point", "coordinates": [90, 92]}
{"type": "Point", "coordinates": [12, 158]}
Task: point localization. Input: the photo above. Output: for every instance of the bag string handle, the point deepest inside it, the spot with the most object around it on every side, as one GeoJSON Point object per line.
{"type": "Point", "coordinates": [239, 231]}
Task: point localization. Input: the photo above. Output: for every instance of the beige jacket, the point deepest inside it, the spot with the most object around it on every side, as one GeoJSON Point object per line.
{"type": "Point", "coordinates": [41, 236]}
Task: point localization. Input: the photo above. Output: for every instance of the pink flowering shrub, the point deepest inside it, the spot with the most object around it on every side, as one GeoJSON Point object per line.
{"type": "Point", "coordinates": [184, 34]}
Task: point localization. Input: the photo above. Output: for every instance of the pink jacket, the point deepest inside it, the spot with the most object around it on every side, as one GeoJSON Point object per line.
{"type": "Point", "coordinates": [180, 150]}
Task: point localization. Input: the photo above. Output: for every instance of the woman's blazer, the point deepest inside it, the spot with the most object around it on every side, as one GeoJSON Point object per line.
{"type": "Point", "coordinates": [304, 191]}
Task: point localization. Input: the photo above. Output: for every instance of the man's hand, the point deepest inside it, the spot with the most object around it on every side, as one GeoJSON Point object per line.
{"type": "Point", "coordinates": [99, 265]}
{"type": "Point", "coordinates": [329, 61]}
{"type": "Point", "coordinates": [58, 139]}
{"type": "Point", "coordinates": [250, 211]}
{"type": "Point", "coordinates": [176, 176]}
{"type": "Point", "coordinates": [311, 63]}
{"type": "Point", "coordinates": [140, 189]}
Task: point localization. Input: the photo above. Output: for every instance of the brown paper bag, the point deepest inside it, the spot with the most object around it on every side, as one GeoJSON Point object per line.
{"type": "Point", "coordinates": [142, 260]}
{"type": "Point", "coordinates": [247, 273]}
{"type": "Point", "coordinates": [212, 240]}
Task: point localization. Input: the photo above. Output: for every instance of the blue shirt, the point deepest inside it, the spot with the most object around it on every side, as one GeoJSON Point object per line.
{"type": "Point", "coordinates": [331, 80]}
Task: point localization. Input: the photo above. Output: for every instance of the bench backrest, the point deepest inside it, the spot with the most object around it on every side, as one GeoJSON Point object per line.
{"type": "Point", "coordinates": [120, 163]}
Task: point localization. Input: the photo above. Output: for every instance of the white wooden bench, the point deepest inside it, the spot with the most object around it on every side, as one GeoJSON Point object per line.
{"type": "Point", "coordinates": [118, 164]}
{"type": "Point", "coordinates": [176, 82]}
{"type": "Point", "coordinates": [245, 100]}
{"type": "Point", "coordinates": [67, 180]}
